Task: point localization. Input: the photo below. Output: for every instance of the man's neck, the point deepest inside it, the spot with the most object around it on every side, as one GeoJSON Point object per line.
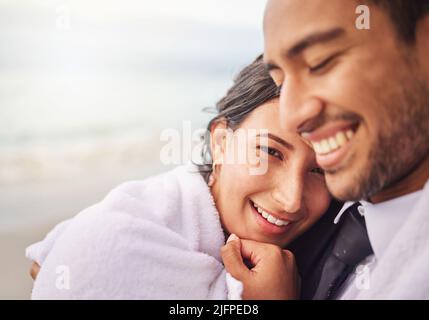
{"type": "Point", "coordinates": [413, 182]}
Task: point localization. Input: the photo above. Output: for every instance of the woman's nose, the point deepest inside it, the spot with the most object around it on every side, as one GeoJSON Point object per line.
{"type": "Point", "coordinates": [289, 194]}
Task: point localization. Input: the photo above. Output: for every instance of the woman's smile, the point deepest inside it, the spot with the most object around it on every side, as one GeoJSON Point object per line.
{"type": "Point", "coordinates": [284, 201]}
{"type": "Point", "coordinates": [279, 204]}
{"type": "Point", "coordinates": [268, 222]}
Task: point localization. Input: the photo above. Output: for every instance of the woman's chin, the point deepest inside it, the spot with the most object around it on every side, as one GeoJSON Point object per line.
{"type": "Point", "coordinates": [260, 236]}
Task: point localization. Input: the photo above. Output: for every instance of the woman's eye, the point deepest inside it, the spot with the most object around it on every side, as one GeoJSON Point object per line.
{"type": "Point", "coordinates": [272, 152]}
{"type": "Point", "coordinates": [318, 171]}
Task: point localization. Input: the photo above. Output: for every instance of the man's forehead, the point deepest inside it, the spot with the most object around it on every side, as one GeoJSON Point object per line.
{"type": "Point", "coordinates": [287, 22]}
{"type": "Point", "coordinates": [312, 6]}
{"type": "Point", "coordinates": [303, 16]}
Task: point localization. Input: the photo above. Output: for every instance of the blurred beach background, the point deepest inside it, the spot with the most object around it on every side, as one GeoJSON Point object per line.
{"type": "Point", "coordinates": [86, 89]}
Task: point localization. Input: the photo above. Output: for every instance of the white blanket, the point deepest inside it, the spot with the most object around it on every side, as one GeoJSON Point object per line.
{"type": "Point", "coordinates": [159, 238]}
{"type": "Point", "coordinates": [403, 270]}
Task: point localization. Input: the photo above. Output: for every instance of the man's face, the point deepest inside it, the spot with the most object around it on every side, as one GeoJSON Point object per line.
{"type": "Point", "coordinates": [358, 96]}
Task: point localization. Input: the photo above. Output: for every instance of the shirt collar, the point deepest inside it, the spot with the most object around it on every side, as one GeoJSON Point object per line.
{"type": "Point", "coordinates": [384, 219]}
{"type": "Point", "coordinates": [346, 205]}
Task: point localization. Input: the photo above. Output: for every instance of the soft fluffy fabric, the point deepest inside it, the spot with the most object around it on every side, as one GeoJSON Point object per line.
{"type": "Point", "coordinates": [159, 238]}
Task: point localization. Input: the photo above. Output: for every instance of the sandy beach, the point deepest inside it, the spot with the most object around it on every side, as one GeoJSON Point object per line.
{"type": "Point", "coordinates": [14, 278]}
{"type": "Point", "coordinates": [39, 206]}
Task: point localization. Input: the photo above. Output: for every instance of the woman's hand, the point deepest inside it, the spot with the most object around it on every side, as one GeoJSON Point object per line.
{"type": "Point", "coordinates": [34, 270]}
{"type": "Point", "coordinates": [273, 274]}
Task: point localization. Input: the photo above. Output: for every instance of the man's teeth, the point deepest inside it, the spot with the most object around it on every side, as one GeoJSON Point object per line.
{"type": "Point", "coordinates": [270, 218]}
{"type": "Point", "coordinates": [333, 143]}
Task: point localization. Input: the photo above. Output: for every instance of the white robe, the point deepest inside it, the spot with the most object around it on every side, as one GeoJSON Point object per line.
{"type": "Point", "coordinates": [159, 238]}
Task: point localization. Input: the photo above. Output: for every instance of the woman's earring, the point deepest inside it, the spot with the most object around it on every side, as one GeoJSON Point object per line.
{"type": "Point", "coordinates": [212, 176]}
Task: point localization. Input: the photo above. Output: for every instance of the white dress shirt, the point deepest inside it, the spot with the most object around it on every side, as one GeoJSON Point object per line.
{"type": "Point", "coordinates": [383, 220]}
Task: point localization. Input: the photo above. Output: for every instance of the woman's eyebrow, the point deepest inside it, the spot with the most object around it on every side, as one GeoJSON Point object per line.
{"type": "Point", "coordinates": [277, 139]}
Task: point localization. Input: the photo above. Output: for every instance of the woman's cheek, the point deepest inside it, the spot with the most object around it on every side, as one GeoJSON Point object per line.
{"type": "Point", "coordinates": [236, 180]}
{"type": "Point", "coordinates": [250, 174]}
{"type": "Point", "coordinates": [318, 200]}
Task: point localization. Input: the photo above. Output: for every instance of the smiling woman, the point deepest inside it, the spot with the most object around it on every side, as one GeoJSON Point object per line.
{"type": "Point", "coordinates": [275, 205]}
{"type": "Point", "coordinates": [166, 230]}
{"type": "Point", "coordinates": [86, 88]}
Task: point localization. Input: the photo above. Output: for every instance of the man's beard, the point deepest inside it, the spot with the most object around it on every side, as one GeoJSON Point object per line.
{"type": "Point", "coordinates": [400, 146]}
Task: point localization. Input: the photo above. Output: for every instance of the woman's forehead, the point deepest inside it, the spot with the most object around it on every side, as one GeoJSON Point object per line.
{"type": "Point", "coordinates": [265, 120]}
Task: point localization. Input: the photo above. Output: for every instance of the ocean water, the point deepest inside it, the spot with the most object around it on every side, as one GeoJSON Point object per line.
{"type": "Point", "coordinates": [85, 94]}
{"type": "Point", "coordinates": [58, 122]}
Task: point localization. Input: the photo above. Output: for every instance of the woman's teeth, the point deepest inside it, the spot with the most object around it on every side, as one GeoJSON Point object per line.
{"type": "Point", "coordinates": [333, 143]}
{"type": "Point", "coordinates": [270, 218]}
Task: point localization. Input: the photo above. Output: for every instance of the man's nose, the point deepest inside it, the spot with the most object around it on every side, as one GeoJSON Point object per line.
{"type": "Point", "coordinates": [297, 106]}
{"type": "Point", "coordinates": [289, 194]}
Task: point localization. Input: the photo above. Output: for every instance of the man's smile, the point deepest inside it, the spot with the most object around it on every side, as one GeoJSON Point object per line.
{"type": "Point", "coordinates": [331, 142]}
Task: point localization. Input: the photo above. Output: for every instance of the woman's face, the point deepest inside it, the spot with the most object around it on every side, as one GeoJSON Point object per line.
{"type": "Point", "coordinates": [281, 203]}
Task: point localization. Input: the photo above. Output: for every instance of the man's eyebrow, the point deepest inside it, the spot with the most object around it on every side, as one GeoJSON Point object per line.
{"type": "Point", "coordinates": [287, 145]}
{"type": "Point", "coordinates": [308, 41]}
{"type": "Point", "coordinates": [315, 38]}
{"type": "Point", "coordinates": [270, 66]}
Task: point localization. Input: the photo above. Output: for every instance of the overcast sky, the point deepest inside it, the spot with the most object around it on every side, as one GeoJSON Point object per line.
{"type": "Point", "coordinates": [60, 59]}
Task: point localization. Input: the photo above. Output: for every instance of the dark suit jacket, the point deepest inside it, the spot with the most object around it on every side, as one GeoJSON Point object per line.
{"type": "Point", "coordinates": [312, 249]}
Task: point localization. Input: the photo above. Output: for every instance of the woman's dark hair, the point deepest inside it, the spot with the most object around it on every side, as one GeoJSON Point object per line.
{"type": "Point", "coordinates": [252, 87]}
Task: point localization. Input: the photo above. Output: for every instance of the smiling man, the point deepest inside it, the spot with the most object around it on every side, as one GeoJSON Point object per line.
{"type": "Point", "coordinates": [360, 97]}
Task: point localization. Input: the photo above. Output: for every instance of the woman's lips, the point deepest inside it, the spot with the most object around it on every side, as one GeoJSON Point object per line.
{"type": "Point", "coordinates": [267, 226]}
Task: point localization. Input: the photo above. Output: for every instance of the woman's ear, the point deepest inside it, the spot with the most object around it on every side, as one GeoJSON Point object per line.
{"type": "Point", "coordinates": [218, 135]}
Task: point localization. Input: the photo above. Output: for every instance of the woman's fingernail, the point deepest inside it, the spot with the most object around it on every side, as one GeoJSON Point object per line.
{"type": "Point", "coordinates": [232, 237]}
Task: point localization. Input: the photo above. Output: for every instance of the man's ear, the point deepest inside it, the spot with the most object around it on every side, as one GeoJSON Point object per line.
{"type": "Point", "coordinates": [218, 135]}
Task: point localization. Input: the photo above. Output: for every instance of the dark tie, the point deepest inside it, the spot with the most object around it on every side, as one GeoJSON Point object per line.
{"type": "Point", "coordinates": [350, 247]}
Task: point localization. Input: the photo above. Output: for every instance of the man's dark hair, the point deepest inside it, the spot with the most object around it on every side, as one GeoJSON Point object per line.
{"type": "Point", "coordinates": [405, 14]}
